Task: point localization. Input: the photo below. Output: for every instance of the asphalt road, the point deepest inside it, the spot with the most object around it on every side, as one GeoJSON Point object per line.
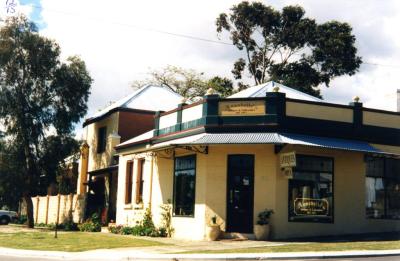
{"type": "Point", "coordinates": [387, 258]}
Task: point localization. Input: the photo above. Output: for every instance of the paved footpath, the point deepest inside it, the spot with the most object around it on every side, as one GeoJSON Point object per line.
{"type": "Point", "coordinates": [140, 254]}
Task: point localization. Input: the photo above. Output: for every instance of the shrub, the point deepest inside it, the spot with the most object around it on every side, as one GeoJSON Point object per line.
{"type": "Point", "coordinates": [70, 226]}
{"type": "Point", "coordinates": [166, 228]}
{"type": "Point", "coordinates": [127, 230]}
{"type": "Point", "coordinates": [263, 217]}
{"type": "Point", "coordinates": [20, 220]}
{"type": "Point", "coordinates": [91, 225]}
{"type": "Point", "coordinates": [144, 228]}
{"type": "Point", "coordinates": [115, 229]}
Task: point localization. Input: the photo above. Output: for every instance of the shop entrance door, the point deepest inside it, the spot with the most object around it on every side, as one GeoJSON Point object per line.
{"type": "Point", "coordinates": [240, 191]}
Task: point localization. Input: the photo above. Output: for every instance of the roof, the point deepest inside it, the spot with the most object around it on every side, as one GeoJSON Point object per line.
{"type": "Point", "coordinates": [262, 89]}
{"type": "Point", "coordinates": [147, 98]}
{"type": "Point", "coordinates": [267, 138]}
{"type": "Point", "coordinates": [142, 137]}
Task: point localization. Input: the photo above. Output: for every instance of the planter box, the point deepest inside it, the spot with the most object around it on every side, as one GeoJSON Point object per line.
{"type": "Point", "coordinates": [261, 232]}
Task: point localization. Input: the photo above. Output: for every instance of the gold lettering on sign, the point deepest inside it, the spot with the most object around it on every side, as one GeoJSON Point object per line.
{"type": "Point", "coordinates": [311, 207]}
{"type": "Point", "coordinates": [241, 108]}
{"type": "Point", "coordinates": [288, 159]}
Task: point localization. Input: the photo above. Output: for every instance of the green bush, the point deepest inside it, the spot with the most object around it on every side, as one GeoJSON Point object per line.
{"type": "Point", "coordinates": [115, 229]}
{"type": "Point", "coordinates": [127, 230]}
{"type": "Point", "coordinates": [91, 225]}
{"type": "Point", "coordinates": [20, 220]}
{"type": "Point", "coordinates": [67, 226]}
{"type": "Point", "coordinates": [144, 228]}
{"type": "Point", "coordinates": [70, 226]}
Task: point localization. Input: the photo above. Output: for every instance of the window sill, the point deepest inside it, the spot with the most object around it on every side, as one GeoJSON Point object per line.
{"type": "Point", "coordinates": [138, 206]}
{"type": "Point", "coordinates": [383, 218]}
{"type": "Point", "coordinates": [128, 206]}
{"type": "Point", "coordinates": [183, 216]}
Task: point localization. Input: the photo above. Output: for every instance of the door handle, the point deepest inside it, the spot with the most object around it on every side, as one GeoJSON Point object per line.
{"type": "Point", "coordinates": [231, 196]}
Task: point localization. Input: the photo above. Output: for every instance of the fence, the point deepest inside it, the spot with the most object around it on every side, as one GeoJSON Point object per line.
{"type": "Point", "coordinates": [61, 208]}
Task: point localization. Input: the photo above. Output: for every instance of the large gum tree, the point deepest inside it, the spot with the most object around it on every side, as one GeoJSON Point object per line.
{"type": "Point", "coordinates": [41, 96]}
{"type": "Point", "coordinates": [288, 47]}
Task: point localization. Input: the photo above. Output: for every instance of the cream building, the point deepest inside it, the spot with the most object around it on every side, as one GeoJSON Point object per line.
{"type": "Point", "coordinates": [118, 122]}
{"type": "Point", "coordinates": [223, 157]}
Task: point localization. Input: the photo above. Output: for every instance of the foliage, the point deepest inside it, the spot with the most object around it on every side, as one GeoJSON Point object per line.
{"type": "Point", "coordinates": [67, 226]}
{"type": "Point", "coordinates": [58, 165]}
{"type": "Point", "coordinates": [147, 221]}
{"type": "Point", "coordinates": [187, 82]}
{"type": "Point", "coordinates": [41, 98]}
{"type": "Point", "coordinates": [166, 219]}
{"type": "Point", "coordinates": [145, 227]}
{"type": "Point", "coordinates": [288, 47]}
{"type": "Point", "coordinates": [92, 224]}
{"type": "Point", "coordinates": [115, 229]}
{"type": "Point", "coordinates": [10, 181]}
{"type": "Point", "coordinates": [20, 220]}
{"type": "Point", "coordinates": [263, 217]}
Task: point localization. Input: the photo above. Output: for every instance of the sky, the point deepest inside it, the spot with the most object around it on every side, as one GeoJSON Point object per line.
{"type": "Point", "coordinates": [120, 41]}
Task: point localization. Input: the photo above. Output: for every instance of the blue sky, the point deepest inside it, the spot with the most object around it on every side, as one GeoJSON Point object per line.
{"type": "Point", "coordinates": [35, 14]}
{"type": "Point", "coordinates": [119, 43]}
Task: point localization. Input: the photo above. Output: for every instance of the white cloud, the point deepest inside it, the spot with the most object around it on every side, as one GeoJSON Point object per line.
{"type": "Point", "coordinates": [118, 42]}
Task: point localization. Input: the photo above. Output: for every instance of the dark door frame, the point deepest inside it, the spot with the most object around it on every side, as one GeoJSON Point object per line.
{"type": "Point", "coordinates": [251, 199]}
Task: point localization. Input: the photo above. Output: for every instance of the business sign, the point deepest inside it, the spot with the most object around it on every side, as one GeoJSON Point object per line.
{"type": "Point", "coordinates": [241, 108]}
{"type": "Point", "coordinates": [287, 160]}
{"type": "Point", "coordinates": [311, 207]}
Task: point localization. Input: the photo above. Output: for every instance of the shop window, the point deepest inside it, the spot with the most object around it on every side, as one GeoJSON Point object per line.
{"type": "Point", "coordinates": [128, 182]}
{"type": "Point", "coordinates": [101, 139]}
{"type": "Point", "coordinates": [382, 187]}
{"type": "Point", "coordinates": [184, 186]}
{"type": "Point", "coordinates": [311, 190]}
{"type": "Point", "coordinates": [139, 181]}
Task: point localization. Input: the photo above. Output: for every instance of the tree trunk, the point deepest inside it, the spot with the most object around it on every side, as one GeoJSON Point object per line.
{"type": "Point", "coordinates": [29, 210]}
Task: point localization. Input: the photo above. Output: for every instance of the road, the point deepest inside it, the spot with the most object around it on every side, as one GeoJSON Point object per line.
{"type": "Point", "coordinates": [387, 258]}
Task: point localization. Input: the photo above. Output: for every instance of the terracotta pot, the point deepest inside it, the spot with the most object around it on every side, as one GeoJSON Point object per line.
{"type": "Point", "coordinates": [261, 232]}
{"type": "Point", "coordinates": [212, 232]}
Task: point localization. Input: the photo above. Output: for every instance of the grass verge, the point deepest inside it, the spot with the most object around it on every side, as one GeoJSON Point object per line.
{"type": "Point", "coordinates": [314, 247]}
{"type": "Point", "coordinates": [70, 241]}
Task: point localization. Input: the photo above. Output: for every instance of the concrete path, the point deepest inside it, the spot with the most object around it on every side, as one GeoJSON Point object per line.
{"type": "Point", "coordinates": [133, 254]}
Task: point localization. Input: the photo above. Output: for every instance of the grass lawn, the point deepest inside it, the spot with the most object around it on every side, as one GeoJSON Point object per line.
{"type": "Point", "coordinates": [306, 247]}
{"type": "Point", "coordinates": [70, 241]}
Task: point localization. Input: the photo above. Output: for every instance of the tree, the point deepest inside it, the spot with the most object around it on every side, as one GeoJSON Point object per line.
{"type": "Point", "coordinates": [288, 47]}
{"type": "Point", "coordinates": [187, 82]}
{"type": "Point", "coordinates": [56, 164]}
{"type": "Point", "coordinates": [40, 96]}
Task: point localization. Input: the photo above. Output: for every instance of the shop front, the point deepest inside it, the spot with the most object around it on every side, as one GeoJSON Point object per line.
{"type": "Point", "coordinates": [325, 169]}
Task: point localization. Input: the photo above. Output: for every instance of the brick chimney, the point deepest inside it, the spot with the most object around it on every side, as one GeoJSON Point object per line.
{"type": "Point", "coordinates": [398, 100]}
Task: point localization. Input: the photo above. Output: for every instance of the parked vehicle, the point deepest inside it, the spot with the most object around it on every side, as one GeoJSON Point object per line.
{"type": "Point", "coordinates": [7, 216]}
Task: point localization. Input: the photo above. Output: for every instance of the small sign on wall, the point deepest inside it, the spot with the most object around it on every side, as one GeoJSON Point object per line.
{"type": "Point", "coordinates": [311, 207]}
{"type": "Point", "coordinates": [241, 108]}
{"type": "Point", "coordinates": [288, 160]}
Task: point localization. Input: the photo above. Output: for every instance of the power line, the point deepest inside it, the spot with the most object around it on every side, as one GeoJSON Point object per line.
{"type": "Point", "coordinates": [384, 65]}
{"type": "Point", "coordinates": [191, 37]}
{"type": "Point", "coordinates": [138, 27]}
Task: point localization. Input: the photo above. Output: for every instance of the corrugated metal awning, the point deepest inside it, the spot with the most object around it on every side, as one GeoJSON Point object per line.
{"type": "Point", "coordinates": [271, 138]}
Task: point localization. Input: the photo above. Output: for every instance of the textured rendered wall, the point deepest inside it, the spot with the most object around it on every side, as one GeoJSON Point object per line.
{"type": "Point", "coordinates": [101, 160]}
{"type": "Point", "coordinates": [349, 200]}
{"type": "Point", "coordinates": [381, 119]}
{"type": "Point", "coordinates": [270, 191]}
{"type": "Point", "coordinates": [45, 208]}
{"type": "Point", "coordinates": [314, 111]}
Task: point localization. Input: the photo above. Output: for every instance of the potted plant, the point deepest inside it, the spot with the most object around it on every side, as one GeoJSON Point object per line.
{"type": "Point", "coordinates": [213, 230]}
{"type": "Point", "coordinates": [262, 228]}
